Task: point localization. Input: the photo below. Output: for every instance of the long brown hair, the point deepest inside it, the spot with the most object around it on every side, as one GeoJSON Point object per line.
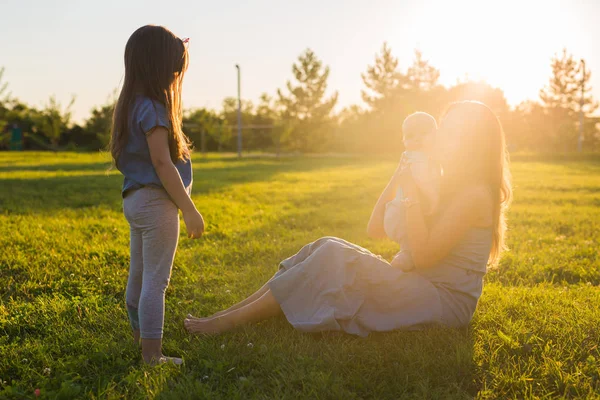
{"type": "Point", "coordinates": [155, 62]}
{"type": "Point", "coordinates": [481, 156]}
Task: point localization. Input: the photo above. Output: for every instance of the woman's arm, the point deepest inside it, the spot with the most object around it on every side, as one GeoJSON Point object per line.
{"type": "Point", "coordinates": [375, 228]}
{"type": "Point", "coordinates": [428, 247]}
{"type": "Point", "coordinates": [158, 145]}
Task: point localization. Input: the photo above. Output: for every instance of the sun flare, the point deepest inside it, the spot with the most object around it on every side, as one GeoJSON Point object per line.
{"type": "Point", "coordinates": [471, 40]}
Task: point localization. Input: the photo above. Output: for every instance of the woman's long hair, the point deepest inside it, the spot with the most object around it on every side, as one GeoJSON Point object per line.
{"type": "Point", "coordinates": [481, 156]}
{"type": "Point", "coordinates": [155, 62]}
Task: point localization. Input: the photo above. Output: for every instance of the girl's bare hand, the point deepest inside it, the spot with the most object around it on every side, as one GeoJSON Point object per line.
{"type": "Point", "coordinates": [194, 224]}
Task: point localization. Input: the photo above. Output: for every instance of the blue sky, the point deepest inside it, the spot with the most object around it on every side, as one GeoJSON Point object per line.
{"type": "Point", "coordinates": [66, 47]}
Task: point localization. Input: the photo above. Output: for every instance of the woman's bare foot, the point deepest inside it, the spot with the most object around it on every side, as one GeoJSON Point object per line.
{"type": "Point", "coordinates": [192, 318]}
{"type": "Point", "coordinates": [208, 326]}
{"type": "Point", "coordinates": [217, 314]}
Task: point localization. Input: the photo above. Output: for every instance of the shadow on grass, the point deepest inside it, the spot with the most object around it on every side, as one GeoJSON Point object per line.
{"type": "Point", "coordinates": [50, 193]}
{"type": "Point", "coordinates": [283, 363]}
{"type": "Point", "coordinates": [66, 167]}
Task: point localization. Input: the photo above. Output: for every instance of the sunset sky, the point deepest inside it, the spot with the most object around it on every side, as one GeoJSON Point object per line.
{"type": "Point", "coordinates": [67, 47]}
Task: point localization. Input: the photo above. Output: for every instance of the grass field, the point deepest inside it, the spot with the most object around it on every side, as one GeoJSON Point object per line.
{"type": "Point", "coordinates": [64, 259]}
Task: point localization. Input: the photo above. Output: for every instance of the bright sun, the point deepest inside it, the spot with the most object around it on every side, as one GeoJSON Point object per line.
{"type": "Point", "coordinates": [508, 44]}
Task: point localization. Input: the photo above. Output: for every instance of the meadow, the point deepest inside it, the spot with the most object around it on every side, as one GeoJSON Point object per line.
{"type": "Point", "coordinates": [64, 260]}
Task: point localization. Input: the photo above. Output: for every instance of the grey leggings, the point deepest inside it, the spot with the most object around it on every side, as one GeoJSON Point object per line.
{"type": "Point", "coordinates": [154, 222]}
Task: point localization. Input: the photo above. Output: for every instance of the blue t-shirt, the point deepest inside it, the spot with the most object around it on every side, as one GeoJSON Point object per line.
{"type": "Point", "coordinates": [134, 161]}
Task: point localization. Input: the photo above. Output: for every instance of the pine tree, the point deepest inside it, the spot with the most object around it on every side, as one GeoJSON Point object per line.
{"type": "Point", "coordinates": [382, 80]}
{"type": "Point", "coordinates": [53, 120]}
{"type": "Point", "coordinates": [421, 75]}
{"type": "Point", "coordinates": [562, 94]}
{"type": "Point", "coordinates": [305, 107]}
{"type": "Point", "coordinates": [387, 97]}
{"type": "Point", "coordinates": [425, 94]}
{"type": "Point", "coordinates": [561, 99]}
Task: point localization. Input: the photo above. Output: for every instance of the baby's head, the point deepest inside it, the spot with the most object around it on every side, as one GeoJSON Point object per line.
{"type": "Point", "coordinates": [417, 130]}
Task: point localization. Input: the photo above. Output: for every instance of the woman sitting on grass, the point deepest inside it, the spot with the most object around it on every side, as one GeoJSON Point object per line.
{"type": "Point", "coordinates": [333, 285]}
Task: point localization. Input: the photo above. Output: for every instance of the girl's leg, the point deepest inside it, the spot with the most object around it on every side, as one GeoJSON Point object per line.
{"type": "Point", "coordinates": [253, 297]}
{"type": "Point", "coordinates": [160, 238]}
{"type": "Point", "coordinates": [264, 307]}
{"type": "Point", "coordinates": [134, 282]}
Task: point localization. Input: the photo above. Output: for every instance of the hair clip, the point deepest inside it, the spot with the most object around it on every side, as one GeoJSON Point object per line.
{"type": "Point", "coordinates": [186, 40]}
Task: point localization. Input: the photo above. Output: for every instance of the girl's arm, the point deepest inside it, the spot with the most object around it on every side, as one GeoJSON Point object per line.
{"type": "Point", "coordinates": [429, 246]}
{"type": "Point", "coordinates": [375, 227]}
{"type": "Point", "coordinates": [158, 144]}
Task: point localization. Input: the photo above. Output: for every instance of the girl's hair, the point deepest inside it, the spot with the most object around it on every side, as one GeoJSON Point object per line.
{"type": "Point", "coordinates": [155, 62]}
{"type": "Point", "coordinates": [481, 156]}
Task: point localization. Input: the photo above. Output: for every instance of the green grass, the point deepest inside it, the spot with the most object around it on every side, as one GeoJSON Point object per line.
{"type": "Point", "coordinates": [64, 259]}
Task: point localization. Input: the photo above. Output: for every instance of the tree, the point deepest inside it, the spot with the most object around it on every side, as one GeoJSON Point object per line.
{"type": "Point", "coordinates": [306, 110]}
{"type": "Point", "coordinates": [229, 111]}
{"type": "Point", "coordinates": [421, 75]}
{"type": "Point", "coordinates": [203, 124]}
{"type": "Point", "coordinates": [350, 133]}
{"type": "Point", "coordinates": [4, 98]}
{"type": "Point", "coordinates": [382, 80]}
{"type": "Point", "coordinates": [52, 121]}
{"type": "Point", "coordinates": [561, 99]}
{"type": "Point", "coordinates": [563, 91]}
{"type": "Point", "coordinates": [99, 126]}
{"type": "Point", "coordinates": [265, 134]}
{"type": "Point", "coordinates": [387, 98]}
{"type": "Point", "coordinates": [229, 115]}
{"type": "Point", "coordinates": [526, 127]}
{"type": "Point", "coordinates": [422, 92]}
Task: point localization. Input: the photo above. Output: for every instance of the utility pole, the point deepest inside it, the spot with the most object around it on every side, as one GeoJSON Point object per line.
{"type": "Point", "coordinates": [581, 120]}
{"type": "Point", "coordinates": [239, 113]}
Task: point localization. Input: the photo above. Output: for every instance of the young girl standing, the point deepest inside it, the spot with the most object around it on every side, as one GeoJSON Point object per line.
{"type": "Point", "coordinates": [151, 151]}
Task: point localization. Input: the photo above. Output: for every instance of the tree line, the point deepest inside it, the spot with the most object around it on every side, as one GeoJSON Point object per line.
{"type": "Point", "coordinates": [301, 115]}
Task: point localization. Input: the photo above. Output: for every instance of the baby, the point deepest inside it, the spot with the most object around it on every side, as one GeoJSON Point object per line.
{"type": "Point", "coordinates": [418, 132]}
